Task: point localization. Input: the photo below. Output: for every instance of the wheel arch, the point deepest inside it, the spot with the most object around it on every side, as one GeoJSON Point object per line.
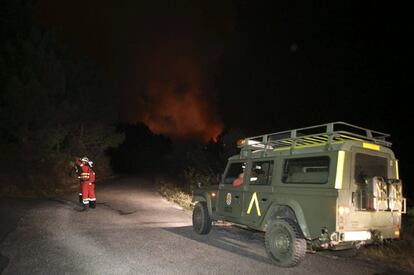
{"type": "Point", "coordinates": [286, 209]}
{"type": "Point", "coordinates": [204, 198]}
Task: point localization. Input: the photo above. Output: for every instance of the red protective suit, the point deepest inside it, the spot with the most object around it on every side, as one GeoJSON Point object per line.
{"type": "Point", "coordinates": [87, 184]}
{"type": "Point", "coordinates": [238, 181]}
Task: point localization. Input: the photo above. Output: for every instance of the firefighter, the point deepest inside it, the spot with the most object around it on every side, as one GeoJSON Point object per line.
{"type": "Point", "coordinates": [87, 183]}
{"type": "Point", "coordinates": [238, 181]}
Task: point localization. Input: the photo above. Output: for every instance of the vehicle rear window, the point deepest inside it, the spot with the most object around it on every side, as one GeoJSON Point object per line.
{"type": "Point", "coordinates": [367, 166]}
{"type": "Point", "coordinates": [312, 170]}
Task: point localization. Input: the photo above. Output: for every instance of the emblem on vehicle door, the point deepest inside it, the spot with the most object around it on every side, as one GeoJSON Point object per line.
{"type": "Point", "coordinates": [228, 198]}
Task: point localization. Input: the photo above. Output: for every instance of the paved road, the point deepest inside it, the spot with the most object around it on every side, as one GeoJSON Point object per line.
{"type": "Point", "coordinates": [135, 231]}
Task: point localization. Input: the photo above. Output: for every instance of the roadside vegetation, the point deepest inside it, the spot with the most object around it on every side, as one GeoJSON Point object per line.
{"type": "Point", "coordinates": [195, 169]}
{"type": "Point", "coordinates": [172, 192]}
{"type": "Point", "coordinates": [197, 164]}
{"type": "Point", "coordinates": [54, 107]}
{"type": "Point", "coordinates": [398, 253]}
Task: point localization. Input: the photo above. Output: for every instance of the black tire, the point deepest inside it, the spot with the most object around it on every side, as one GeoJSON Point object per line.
{"type": "Point", "coordinates": [285, 244]}
{"type": "Point", "coordinates": [201, 219]}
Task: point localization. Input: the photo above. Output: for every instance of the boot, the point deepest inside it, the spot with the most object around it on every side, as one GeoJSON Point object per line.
{"type": "Point", "coordinates": [80, 199]}
{"type": "Point", "coordinates": [92, 204]}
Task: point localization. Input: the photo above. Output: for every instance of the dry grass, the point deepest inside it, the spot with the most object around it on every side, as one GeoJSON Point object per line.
{"type": "Point", "coordinates": [172, 192]}
{"type": "Point", "coordinates": [397, 253]}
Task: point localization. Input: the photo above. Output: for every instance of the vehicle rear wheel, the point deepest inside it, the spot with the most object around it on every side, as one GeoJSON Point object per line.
{"type": "Point", "coordinates": [285, 244]}
{"type": "Point", "coordinates": [201, 219]}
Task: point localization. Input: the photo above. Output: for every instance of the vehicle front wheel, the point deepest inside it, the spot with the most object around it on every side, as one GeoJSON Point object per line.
{"type": "Point", "coordinates": [201, 219]}
{"type": "Point", "coordinates": [285, 244]}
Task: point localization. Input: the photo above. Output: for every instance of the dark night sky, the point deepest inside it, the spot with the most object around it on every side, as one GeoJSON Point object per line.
{"type": "Point", "coordinates": [192, 68]}
{"type": "Point", "coordinates": [163, 54]}
{"type": "Point", "coordinates": [290, 57]}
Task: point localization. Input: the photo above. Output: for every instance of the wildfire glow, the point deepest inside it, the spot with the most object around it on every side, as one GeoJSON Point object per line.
{"type": "Point", "coordinates": [179, 105]}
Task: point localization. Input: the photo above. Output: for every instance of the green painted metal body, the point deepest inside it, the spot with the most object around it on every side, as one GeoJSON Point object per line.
{"type": "Point", "coordinates": [313, 206]}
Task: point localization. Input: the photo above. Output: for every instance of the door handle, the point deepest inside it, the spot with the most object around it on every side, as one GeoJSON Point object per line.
{"type": "Point", "coordinates": [236, 197]}
{"type": "Point", "coordinates": [264, 199]}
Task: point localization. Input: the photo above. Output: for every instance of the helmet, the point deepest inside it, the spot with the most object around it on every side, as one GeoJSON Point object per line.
{"type": "Point", "coordinates": [85, 159]}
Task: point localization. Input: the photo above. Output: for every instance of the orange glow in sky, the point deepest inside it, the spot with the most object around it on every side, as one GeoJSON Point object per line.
{"type": "Point", "coordinates": [179, 105]}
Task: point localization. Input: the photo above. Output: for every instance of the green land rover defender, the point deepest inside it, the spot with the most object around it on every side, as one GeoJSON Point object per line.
{"type": "Point", "coordinates": [329, 186]}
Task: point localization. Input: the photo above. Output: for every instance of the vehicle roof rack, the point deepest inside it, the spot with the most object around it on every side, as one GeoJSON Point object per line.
{"type": "Point", "coordinates": [328, 133]}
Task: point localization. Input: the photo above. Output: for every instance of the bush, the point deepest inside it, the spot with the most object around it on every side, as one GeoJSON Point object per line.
{"type": "Point", "coordinates": [54, 106]}
{"type": "Point", "coordinates": [173, 192]}
{"type": "Point", "coordinates": [193, 177]}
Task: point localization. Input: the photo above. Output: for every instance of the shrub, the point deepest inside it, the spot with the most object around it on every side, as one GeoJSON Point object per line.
{"type": "Point", "coordinates": [173, 192]}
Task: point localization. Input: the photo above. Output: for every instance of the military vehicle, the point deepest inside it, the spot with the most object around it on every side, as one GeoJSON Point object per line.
{"type": "Point", "coordinates": [328, 186]}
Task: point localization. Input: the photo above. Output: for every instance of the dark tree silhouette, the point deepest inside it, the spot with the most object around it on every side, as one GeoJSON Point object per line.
{"type": "Point", "coordinates": [54, 105]}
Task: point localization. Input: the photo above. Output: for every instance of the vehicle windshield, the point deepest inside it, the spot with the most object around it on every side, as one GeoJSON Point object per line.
{"type": "Point", "coordinates": [367, 166]}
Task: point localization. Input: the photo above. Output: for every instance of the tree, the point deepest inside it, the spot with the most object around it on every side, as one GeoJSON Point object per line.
{"type": "Point", "coordinates": [54, 104]}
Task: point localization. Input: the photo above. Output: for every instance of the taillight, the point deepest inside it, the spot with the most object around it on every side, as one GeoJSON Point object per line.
{"type": "Point", "coordinates": [343, 210]}
{"type": "Point", "coordinates": [341, 219]}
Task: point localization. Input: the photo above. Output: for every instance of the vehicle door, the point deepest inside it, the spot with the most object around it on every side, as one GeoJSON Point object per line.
{"type": "Point", "coordinates": [230, 195]}
{"type": "Point", "coordinates": [259, 189]}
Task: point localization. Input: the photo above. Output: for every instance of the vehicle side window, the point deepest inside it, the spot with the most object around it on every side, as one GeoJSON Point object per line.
{"type": "Point", "coordinates": [261, 173]}
{"type": "Point", "coordinates": [236, 170]}
{"type": "Point", "coordinates": [313, 170]}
